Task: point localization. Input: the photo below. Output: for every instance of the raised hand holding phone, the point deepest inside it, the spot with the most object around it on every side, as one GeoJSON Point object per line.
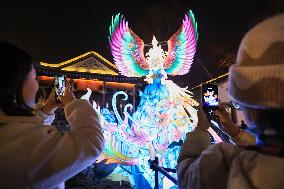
{"type": "Point", "coordinates": [202, 123]}
{"type": "Point", "coordinates": [50, 104]}
{"type": "Point", "coordinates": [67, 96]}
{"type": "Point", "coordinates": [227, 123]}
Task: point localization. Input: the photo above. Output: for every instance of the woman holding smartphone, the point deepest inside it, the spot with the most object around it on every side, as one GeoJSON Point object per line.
{"type": "Point", "coordinates": [33, 155]}
{"type": "Point", "coordinates": [256, 84]}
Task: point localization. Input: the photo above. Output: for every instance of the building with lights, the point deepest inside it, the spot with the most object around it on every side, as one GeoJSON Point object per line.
{"type": "Point", "coordinates": [93, 71]}
{"type": "Point", "coordinates": [89, 70]}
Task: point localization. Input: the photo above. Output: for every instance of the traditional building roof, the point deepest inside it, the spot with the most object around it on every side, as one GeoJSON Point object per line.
{"type": "Point", "coordinates": [90, 65]}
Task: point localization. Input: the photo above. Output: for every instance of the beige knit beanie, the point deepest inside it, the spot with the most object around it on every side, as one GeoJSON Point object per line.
{"type": "Point", "coordinates": [257, 78]}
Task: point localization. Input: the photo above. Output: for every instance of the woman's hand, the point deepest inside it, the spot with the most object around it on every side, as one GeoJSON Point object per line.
{"type": "Point", "coordinates": [227, 124]}
{"type": "Point", "coordinates": [50, 104]}
{"type": "Point", "coordinates": [68, 95]}
{"type": "Point", "coordinates": [203, 123]}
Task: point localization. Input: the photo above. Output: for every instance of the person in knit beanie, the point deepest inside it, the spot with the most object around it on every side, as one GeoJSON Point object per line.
{"type": "Point", "coordinates": [256, 83]}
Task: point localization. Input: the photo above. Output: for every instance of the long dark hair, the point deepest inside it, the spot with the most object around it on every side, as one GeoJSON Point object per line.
{"type": "Point", "coordinates": [15, 64]}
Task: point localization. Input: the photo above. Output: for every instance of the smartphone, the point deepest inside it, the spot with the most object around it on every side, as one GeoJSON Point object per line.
{"type": "Point", "coordinates": [209, 95]}
{"type": "Point", "coordinates": [59, 86]}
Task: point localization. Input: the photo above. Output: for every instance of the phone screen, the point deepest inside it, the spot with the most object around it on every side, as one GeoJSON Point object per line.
{"type": "Point", "coordinates": [59, 85]}
{"type": "Point", "coordinates": [210, 98]}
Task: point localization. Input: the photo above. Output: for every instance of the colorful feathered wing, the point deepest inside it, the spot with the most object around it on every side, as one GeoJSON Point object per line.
{"type": "Point", "coordinates": [127, 49]}
{"type": "Point", "coordinates": [182, 47]}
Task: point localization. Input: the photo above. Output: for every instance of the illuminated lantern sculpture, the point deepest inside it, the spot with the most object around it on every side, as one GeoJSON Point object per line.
{"type": "Point", "coordinates": [165, 112]}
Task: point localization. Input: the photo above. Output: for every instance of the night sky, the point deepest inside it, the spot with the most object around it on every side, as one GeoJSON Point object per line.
{"type": "Point", "coordinates": [54, 32]}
